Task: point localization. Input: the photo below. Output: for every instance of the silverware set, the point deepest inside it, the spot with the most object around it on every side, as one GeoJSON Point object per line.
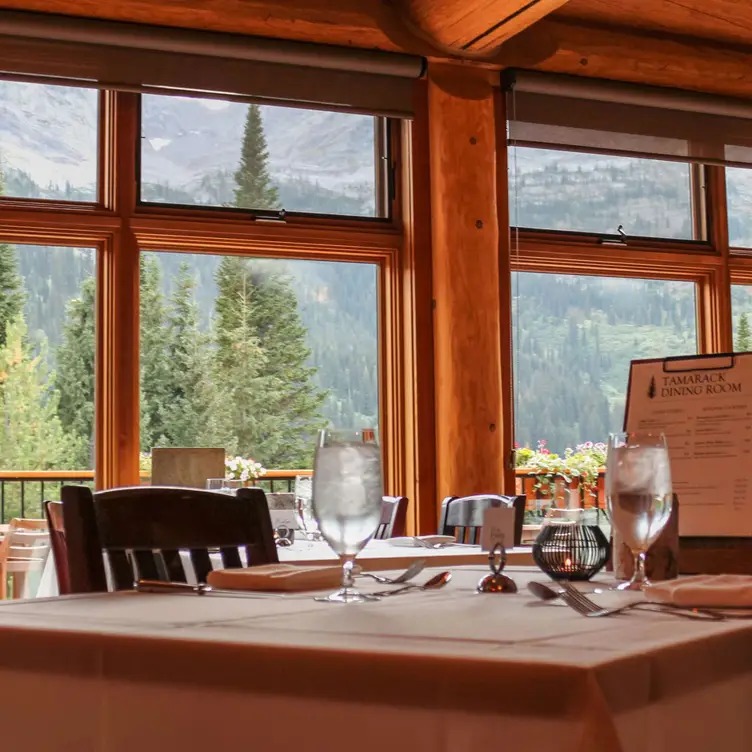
{"type": "Point", "coordinates": [579, 602]}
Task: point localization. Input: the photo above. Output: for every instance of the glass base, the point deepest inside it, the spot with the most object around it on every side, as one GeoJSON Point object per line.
{"type": "Point", "coordinates": [347, 595]}
{"type": "Point", "coordinates": [633, 584]}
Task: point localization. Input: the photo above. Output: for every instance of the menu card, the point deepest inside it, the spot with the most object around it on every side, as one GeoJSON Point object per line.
{"type": "Point", "coordinates": [703, 405]}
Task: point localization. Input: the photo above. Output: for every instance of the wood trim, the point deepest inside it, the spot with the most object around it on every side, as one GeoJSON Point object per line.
{"type": "Point", "coordinates": [505, 296]}
{"type": "Point", "coordinates": [420, 434]}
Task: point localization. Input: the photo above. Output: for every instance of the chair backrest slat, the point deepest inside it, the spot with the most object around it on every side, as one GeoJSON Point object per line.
{"type": "Point", "coordinates": [174, 571]}
{"type": "Point", "coordinates": [143, 529]}
{"type": "Point", "coordinates": [393, 517]}
{"type": "Point", "coordinates": [462, 516]}
{"type": "Point", "coordinates": [120, 569]}
{"type": "Point", "coordinates": [231, 557]}
{"type": "Point", "coordinates": [54, 512]}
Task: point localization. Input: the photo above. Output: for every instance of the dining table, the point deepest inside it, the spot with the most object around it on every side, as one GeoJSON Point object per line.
{"type": "Point", "coordinates": [447, 670]}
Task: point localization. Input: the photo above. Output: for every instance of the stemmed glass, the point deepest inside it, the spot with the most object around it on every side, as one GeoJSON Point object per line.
{"type": "Point", "coordinates": [638, 494]}
{"type": "Point", "coordinates": [347, 499]}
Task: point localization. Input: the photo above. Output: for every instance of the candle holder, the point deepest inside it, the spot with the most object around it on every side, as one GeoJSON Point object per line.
{"type": "Point", "coordinates": [568, 549]}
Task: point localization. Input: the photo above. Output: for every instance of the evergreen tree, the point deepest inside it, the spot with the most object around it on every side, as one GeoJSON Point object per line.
{"type": "Point", "coordinates": [11, 289]}
{"type": "Point", "coordinates": [155, 374]}
{"type": "Point", "coordinates": [254, 188]}
{"type": "Point", "coordinates": [190, 415]}
{"type": "Point", "coordinates": [75, 377]}
{"type": "Point", "coordinates": [31, 435]}
{"type": "Point", "coordinates": [261, 355]}
{"type": "Point", "coordinates": [743, 335]}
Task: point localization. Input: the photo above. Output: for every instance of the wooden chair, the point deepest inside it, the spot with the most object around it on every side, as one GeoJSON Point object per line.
{"type": "Point", "coordinates": [393, 517]}
{"type": "Point", "coordinates": [142, 530]}
{"type": "Point", "coordinates": [53, 510]}
{"type": "Point", "coordinates": [462, 516]}
{"type": "Point", "coordinates": [23, 552]}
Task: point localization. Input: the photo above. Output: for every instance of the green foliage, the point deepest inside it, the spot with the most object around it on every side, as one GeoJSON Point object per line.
{"type": "Point", "coordinates": [189, 415]}
{"type": "Point", "coordinates": [254, 188]}
{"type": "Point", "coordinates": [75, 377]}
{"type": "Point", "coordinates": [11, 291]}
{"type": "Point", "coordinates": [261, 359]}
{"type": "Point", "coordinates": [155, 370]}
{"type": "Point", "coordinates": [743, 335]}
{"type": "Point", "coordinates": [31, 434]}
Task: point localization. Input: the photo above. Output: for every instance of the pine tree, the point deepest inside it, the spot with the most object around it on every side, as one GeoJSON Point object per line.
{"type": "Point", "coordinates": [75, 377]}
{"type": "Point", "coordinates": [743, 335]}
{"type": "Point", "coordinates": [261, 356]}
{"type": "Point", "coordinates": [190, 413]}
{"type": "Point", "coordinates": [153, 353]}
{"type": "Point", "coordinates": [11, 287]}
{"type": "Point", "coordinates": [254, 188]}
{"type": "Point", "coordinates": [31, 435]}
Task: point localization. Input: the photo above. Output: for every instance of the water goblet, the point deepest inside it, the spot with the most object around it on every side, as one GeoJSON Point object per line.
{"type": "Point", "coordinates": [347, 500]}
{"type": "Point", "coordinates": [638, 494]}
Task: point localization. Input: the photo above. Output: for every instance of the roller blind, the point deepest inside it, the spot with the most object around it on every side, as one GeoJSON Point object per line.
{"type": "Point", "coordinates": [134, 57]}
{"type": "Point", "coordinates": [569, 112]}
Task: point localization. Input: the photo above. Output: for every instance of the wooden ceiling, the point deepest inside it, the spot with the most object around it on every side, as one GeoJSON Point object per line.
{"type": "Point", "coordinates": [695, 44]}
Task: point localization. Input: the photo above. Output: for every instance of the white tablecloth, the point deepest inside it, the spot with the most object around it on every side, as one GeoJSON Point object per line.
{"type": "Point", "coordinates": [445, 671]}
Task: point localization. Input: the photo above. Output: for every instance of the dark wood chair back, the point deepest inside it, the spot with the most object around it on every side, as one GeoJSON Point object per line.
{"type": "Point", "coordinates": [393, 517]}
{"type": "Point", "coordinates": [143, 529]}
{"type": "Point", "coordinates": [462, 516]}
{"type": "Point", "coordinates": [53, 510]}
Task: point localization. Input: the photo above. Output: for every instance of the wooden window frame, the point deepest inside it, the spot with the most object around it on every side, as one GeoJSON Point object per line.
{"type": "Point", "coordinates": [120, 229]}
{"type": "Point", "coordinates": [709, 263]}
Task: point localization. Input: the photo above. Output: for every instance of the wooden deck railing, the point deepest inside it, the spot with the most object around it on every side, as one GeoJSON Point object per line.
{"type": "Point", "coordinates": [23, 491]}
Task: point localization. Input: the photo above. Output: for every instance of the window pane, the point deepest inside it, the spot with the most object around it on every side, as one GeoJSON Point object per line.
{"type": "Point", "coordinates": [215, 153]}
{"type": "Point", "coordinates": [48, 141]}
{"type": "Point", "coordinates": [739, 192]}
{"type": "Point", "coordinates": [574, 339]}
{"type": "Point", "coordinates": [46, 369]}
{"type": "Point", "coordinates": [741, 311]}
{"type": "Point", "coordinates": [558, 190]}
{"type": "Point", "coordinates": [254, 355]}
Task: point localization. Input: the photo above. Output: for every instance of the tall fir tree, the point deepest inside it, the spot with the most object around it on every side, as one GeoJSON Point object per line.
{"type": "Point", "coordinates": [190, 415]}
{"type": "Point", "coordinates": [254, 187]}
{"type": "Point", "coordinates": [11, 285]}
{"type": "Point", "coordinates": [153, 354]}
{"type": "Point", "coordinates": [261, 357]}
{"type": "Point", "coordinates": [31, 434]}
{"type": "Point", "coordinates": [75, 373]}
{"type": "Point", "coordinates": [743, 335]}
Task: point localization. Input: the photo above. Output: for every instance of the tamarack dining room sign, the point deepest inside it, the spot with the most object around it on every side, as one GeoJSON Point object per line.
{"type": "Point", "coordinates": [694, 384]}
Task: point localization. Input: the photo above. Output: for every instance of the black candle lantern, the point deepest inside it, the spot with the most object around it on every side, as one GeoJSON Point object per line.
{"type": "Point", "coordinates": [570, 550]}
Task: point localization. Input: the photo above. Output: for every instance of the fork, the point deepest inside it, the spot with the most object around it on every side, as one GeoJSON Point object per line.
{"type": "Point", "coordinates": [412, 571]}
{"type": "Point", "coordinates": [583, 605]}
{"type": "Point", "coordinates": [428, 544]}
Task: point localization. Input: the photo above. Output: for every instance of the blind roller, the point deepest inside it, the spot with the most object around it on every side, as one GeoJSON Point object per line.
{"type": "Point", "coordinates": [133, 57]}
{"type": "Point", "coordinates": [568, 112]}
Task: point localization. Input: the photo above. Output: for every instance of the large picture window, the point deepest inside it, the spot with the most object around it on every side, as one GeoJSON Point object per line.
{"type": "Point", "coordinates": [254, 355]}
{"type": "Point", "coordinates": [574, 338]}
{"type": "Point", "coordinates": [210, 152]}
{"type": "Point", "coordinates": [48, 141]}
{"type": "Point", "coordinates": [608, 195]}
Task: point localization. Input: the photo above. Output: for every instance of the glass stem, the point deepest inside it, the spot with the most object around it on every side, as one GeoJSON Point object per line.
{"type": "Point", "coordinates": [639, 568]}
{"type": "Point", "coordinates": [348, 581]}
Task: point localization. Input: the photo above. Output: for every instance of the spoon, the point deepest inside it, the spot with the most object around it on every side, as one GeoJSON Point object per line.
{"type": "Point", "coordinates": [435, 583]}
{"type": "Point", "coordinates": [544, 592]}
{"type": "Point", "coordinates": [412, 571]}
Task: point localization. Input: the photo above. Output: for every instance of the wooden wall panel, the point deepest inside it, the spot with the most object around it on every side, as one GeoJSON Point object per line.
{"type": "Point", "coordinates": [465, 240]}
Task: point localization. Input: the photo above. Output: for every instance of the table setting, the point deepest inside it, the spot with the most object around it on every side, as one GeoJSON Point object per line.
{"type": "Point", "coordinates": [415, 657]}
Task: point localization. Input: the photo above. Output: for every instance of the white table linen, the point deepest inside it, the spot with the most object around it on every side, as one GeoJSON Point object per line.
{"type": "Point", "coordinates": [442, 671]}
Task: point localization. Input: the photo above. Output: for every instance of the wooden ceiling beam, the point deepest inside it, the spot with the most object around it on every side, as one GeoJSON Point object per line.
{"type": "Point", "coordinates": [473, 27]}
{"type": "Point", "coordinates": [561, 46]}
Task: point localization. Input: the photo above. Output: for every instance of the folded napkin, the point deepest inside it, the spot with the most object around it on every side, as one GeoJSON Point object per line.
{"type": "Point", "coordinates": [280, 577]}
{"type": "Point", "coordinates": [708, 590]}
{"type": "Point", "coordinates": [411, 541]}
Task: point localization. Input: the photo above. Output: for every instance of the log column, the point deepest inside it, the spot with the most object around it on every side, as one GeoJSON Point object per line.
{"type": "Point", "coordinates": [469, 319]}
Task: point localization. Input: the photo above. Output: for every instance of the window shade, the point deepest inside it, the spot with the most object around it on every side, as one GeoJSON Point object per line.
{"type": "Point", "coordinates": [568, 112]}
{"type": "Point", "coordinates": [133, 57]}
